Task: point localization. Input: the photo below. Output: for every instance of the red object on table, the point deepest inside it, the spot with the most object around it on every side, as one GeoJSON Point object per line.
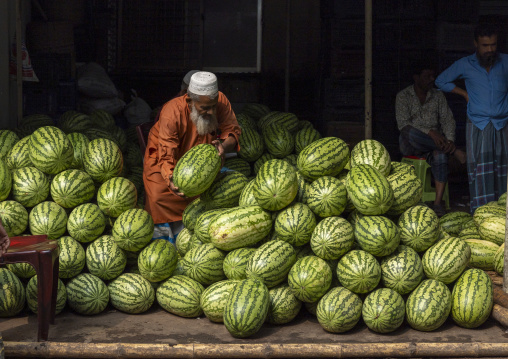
{"type": "Point", "coordinates": [43, 256]}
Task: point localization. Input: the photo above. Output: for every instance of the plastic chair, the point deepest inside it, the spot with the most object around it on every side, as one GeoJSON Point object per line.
{"type": "Point", "coordinates": [423, 172]}
{"type": "Point", "coordinates": [43, 256]}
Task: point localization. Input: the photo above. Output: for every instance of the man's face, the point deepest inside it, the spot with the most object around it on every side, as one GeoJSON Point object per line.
{"type": "Point", "coordinates": [486, 50]}
{"type": "Point", "coordinates": [203, 114]}
{"type": "Point", "coordinates": [206, 107]}
{"type": "Point", "coordinates": [425, 80]}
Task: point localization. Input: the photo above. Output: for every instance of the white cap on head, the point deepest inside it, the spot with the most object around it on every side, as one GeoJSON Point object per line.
{"type": "Point", "coordinates": [186, 79]}
{"type": "Point", "coordinates": [203, 83]}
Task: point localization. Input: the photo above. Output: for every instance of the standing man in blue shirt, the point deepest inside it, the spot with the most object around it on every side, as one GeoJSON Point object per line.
{"type": "Point", "coordinates": [486, 79]}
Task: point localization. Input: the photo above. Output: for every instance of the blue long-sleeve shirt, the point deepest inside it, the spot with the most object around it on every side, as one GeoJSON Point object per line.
{"type": "Point", "coordinates": [487, 91]}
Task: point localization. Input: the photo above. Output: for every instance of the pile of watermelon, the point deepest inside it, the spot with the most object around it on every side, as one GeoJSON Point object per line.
{"type": "Point", "coordinates": [297, 220]}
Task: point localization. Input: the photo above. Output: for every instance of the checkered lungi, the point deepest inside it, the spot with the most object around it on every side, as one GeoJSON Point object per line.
{"type": "Point", "coordinates": [487, 162]}
{"type": "Point", "coordinates": [414, 142]}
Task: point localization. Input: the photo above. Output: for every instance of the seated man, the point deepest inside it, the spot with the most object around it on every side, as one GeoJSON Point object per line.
{"type": "Point", "coordinates": [427, 127]}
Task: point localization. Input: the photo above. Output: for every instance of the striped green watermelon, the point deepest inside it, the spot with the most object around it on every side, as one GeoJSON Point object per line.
{"type": "Point", "coordinates": [311, 307]}
{"type": "Point", "coordinates": [120, 137]}
{"type": "Point", "coordinates": [197, 169]}
{"type": "Point", "coordinates": [251, 145]}
{"type": "Point", "coordinates": [95, 133]}
{"type": "Point", "coordinates": [213, 299]}
{"type": "Point", "coordinates": [246, 308]}
{"type": "Point", "coordinates": [472, 298]}
{"type": "Point", "coordinates": [255, 110]}
{"type": "Point", "coordinates": [470, 232]}
{"type": "Point", "coordinates": [192, 212]}
{"type": "Point", "coordinates": [79, 144]}
{"type": "Point", "coordinates": [30, 186]}
{"type": "Point", "coordinates": [305, 124]}
{"type": "Point", "coordinates": [398, 167]}
{"type": "Point", "coordinates": [204, 264]}
{"type": "Point", "coordinates": [369, 190]}
{"type": "Point", "coordinates": [377, 235]}
{"type": "Point", "coordinates": [265, 120]}
{"type": "Point", "coordinates": [305, 137]}
{"type": "Point", "coordinates": [482, 253]}
{"type": "Point", "coordinates": [276, 185]}
{"type": "Point", "coordinates": [239, 227]}
{"type": "Point", "coordinates": [203, 224]}
{"type": "Point", "coordinates": [180, 295]}
{"type": "Point", "coordinates": [102, 119]}
{"type": "Point", "coordinates": [261, 161]}
{"type": "Point", "coordinates": [446, 260]}
{"type": "Point", "coordinates": [452, 222]}
{"type": "Point", "coordinates": [36, 121]}
{"type": "Point", "coordinates": [373, 153]}
{"type": "Point", "coordinates": [402, 270]}
{"type": "Point", "coordinates": [116, 195]}
{"type": "Point", "coordinates": [292, 159]}
{"type": "Point", "coordinates": [428, 306]}
{"type": "Point", "coordinates": [12, 294]}
{"type": "Point", "coordinates": [493, 229]}
{"type": "Point", "coordinates": [132, 156]}
{"type": "Point", "coordinates": [419, 227]}
{"type": "Point", "coordinates": [158, 260]}
{"type": "Point", "coordinates": [310, 278]}
{"type": "Point", "coordinates": [327, 196]}
{"type": "Point", "coordinates": [278, 141]}
{"type": "Point", "coordinates": [183, 240]}
{"type": "Point", "coordinates": [383, 310]}
{"type": "Point", "coordinates": [235, 263]}
{"type": "Point", "coordinates": [131, 293]}
{"type": "Point", "coordinates": [102, 160]}
{"type": "Point", "coordinates": [77, 122]}
{"type": "Point", "coordinates": [353, 217]}
{"type": "Point", "coordinates": [238, 165]}
{"type": "Point", "coordinates": [18, 156]}
{"type": "Point", "coordinates": [484, 212]}
{"type": "Point", "coordinates": [22, 270]}
{"type": "Point", "coordinates": [502, 200]}
{"type": "Point", "coordinates": [133, 229]}
{"type": "Point", "coordinates": [276, 119]}
{"type": "Point", "coordinates": [271, 263]}
{"type": "Point", "coordinates": [86, 222]}
{"type": "Point", "coordinates": [499, 260]}
{"type": "Point", "coordinates": [359, 271]}
{"type": "Point", "coordinates": [70, 188]}
{"type": "Point", "coordinates": [8, 139]}
{"type": "Point", "coordinates": [50, 150]}
{"type": "Point", "coordinates": [295, 224]}
{"type": "Point", "coordinates": [303, 189]}
{"type": "Point", "coordinates": [48, 218]}
{"type": "Point", "coordinates": [332, 238]}
{"type": "Point", "coordinates": [225, 190]}
{"type": "Point", "coordinates": [6, 180]}
{"type": "Point", "coordinates": [247, 197]}
{"type": "Point", "coordinates": [407, 191]}
{"type": "Point", "coordinates": [324, 157]}
{"type": "Point", "coordinates": [72, 258]}
{"type": "Point", "coordinates": [246, 122]}
{"type": "Point", "coordinates": [339, 310]}
{"type": "Point", "coordinates": [105, 259]}
{"type": "Point", "coordinates": [87, 294]}
{"type": "Point", "coordinates": [32, 291]}
{"type": "Point", "coordinates": [284, 306]}
{"type": "Point", "coordinates": [14, 217]}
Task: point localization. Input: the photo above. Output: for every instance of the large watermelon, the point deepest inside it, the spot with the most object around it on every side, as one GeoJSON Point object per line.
{"type": "Point", "coordinates": [407, 191]}
{"type": "Point", "coordinates": [359, 271]}
{"type": "Point", "coordinates": [105, 259]}
{"type": "Point", "coordinates": [332, 238]}
{"type": "Point", "coordinates": [50, 150]}
{"type": "Point", "coordinates": [180, 295]}
{"type": "Point", "coordinates": [324, 157]}
{"type": "Point", "coordinates": [284, 306]}
{"type": "Point", "coordinates": [30, 186]}
{"type": "Point", "coordinates": [224, 191]}
{"type": "Point", "coordinates": [377, 235]}
{"type": "Point", "coordinates": [131, 293]}
{"type": "Point", "coordinates": [327, 196]}
{"type": "Point", "coordinates": [402, 270]}
{"type": "Point", "coordinates": [5, 180]}
{"type": "Point", "coordinates": [373, 153]}
{"type": "Point", "coordinates": [18, 156]}
{"type": "Point", "coordinates": [446, 260]}
{"type": "Point", "coordinates": [310, 278]}
{"type": "Point", "coordinates": [86, 223]}
{"type": "Point", "coordinates": [295, 224]}
{"type": "Point", "coordinates": [276, 185]}
{"type": "Point", "coordinates": [70, 188]}
{"type": "Point", "coordinates": [32, 295]}
{"type": "Point", "coordinates": [419, 227]}
{"type": "Point", "coordinates": [204, 264]}
{"type": "Point", "coordinates": [14, 217]}
{"type": "Point", "coordinates": [102, 160]}
{"type": "Point", "coordinates": [213, 299]}
{"type": "Point", "coordinates": [251, 145]}
{"type": "Point", "coordinates": [72, 257]}
{"type": "Point", "coordinates": [383, 310]}
{"type": "Point", "coordinates": [158, 260]}
{"type": "Point", "coordinates": [339, 310]}
{"type": "Point", "coordinates": [12, 294]}
{"type": "Point", "coordinates": [133, 229]}
{"type": "Point", "coordinates": [48, 218]}
{"type": "Point", "coordinates": [87, 294]}
{"type": "Point", "coordinates": [116, 195]}
{"type": "Point", "coordinates": [236, 261]}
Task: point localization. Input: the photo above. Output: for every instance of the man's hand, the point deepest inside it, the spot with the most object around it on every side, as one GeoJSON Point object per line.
{"type": "Point", "coordinates": [449, 147]}
{"type": "Point", "coordinates": [4, 240]}
{"type": "Point", "coordinates": [438, 139]}
{"type": "Point", "coordinates": [174, 189]}
{"type": "Point", "coordinates": [220, 150]}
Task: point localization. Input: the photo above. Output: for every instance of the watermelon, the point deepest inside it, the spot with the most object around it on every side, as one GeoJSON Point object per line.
{"type": "Point", "coordinates": [285, 120]}
{"type": "Point", "coordinates": [383, 310]}
{"type": "Point", "coordinates": [183, 241]}
{"type": "Point", "coordinates": [77, 122]}
{"type": "Point", "coordinates": [373, 153]}
{"type": "Point", "coordinates": [197, 169]}
{"type": "Point", "coordinates": [428, 306]}
{"type": "Point", "coordinates": [359, 271]}
{"type": "Point", "coordinates": [261, 160]}
{"type": "Point", "coordinates": [278, 140]}
{"type": "Point", "coordinates": [5, 180]}
{"type": "Point", "coordinates": [407, 191]}
{"type": "Point", "coordinates": [180, 295]}
{"type": "Point", "coordinates": [204, 264]}
{"type": "Point", "coordinates": [295, 224]}
{"type": "Point", "coordinates": [493, 229]}
{"type": "Point", "coordinates": [87, 294]}
{"type": "Point", "coordinates": [213, 299]}
{"type": "Point", "coordinates": [499, 260]}
{"type": "Point", "coordinates": [246, 308]}
{"type": "Point", "coordinates": [398, 167]}
{"type": "Point", "coordinates": [158, 260]}
{"type": "Point", "coordinates": [131, 293]}
{"type": "Point", "coordinates": [32, 295]}
{"type": "Point", "coordinates": [502, 200]}
{"type": "Point", "coordinates": [251, 145]}
{"type": "Point", "coordinates": [116, 195]}
{"type": "Point", "coordinates": [255, 110]}
{"type": "Point", "coordinates": [276, 185]}
{"type": "Point", "coordinates": [102, 118]}
{"type": "Point", "coordinates": [133, 229]}
{"type": "Point", "coordinates": [235, 263]}
{"type": "Point", "coordinates": [247, 197]}
{"type": "Point", "coordinates": [303, 189]}
{"type": "Point", "coordinates": [377, 235]}
{"type": "Point", "coordinates": [332, 238]}
{"type": "Point", "coordinates": [22, 270]}
{"type": "Point", "coordinates": [419, 227]}
{"type": "Point", "coordinates": [224, 191]}
{"type": "Point", "coordinates": [50, 150]}
{"type": "Point", "coordinates": [472, 298]}
{"type": "Point", "coordinates": [239, 227]}
{"type": "Point", "coordinates": [452, 222]}
{"type": "Point", "coordinates": [86, 222]}
{"type": "Point", "coordinates": [203, 224]}
{"type": "Point", "coordinates": [192, 212]}
{"type": "Point", "coordinates": [8, 139]}
{"type": "Point", "coordinates": [12, 294]}
{"type": "Point", "coordinates": [48, 218]}
{"type": "Point", "coordinates": [238, 165]}
{"type": "Point", "coordinates": [324, 157]}
{"type": "Point", "coordinates": [402, 270]}
{"type": "Point", "coordinates": [102, 160]}
{"type": "Point", "coordinates": [369, 190]}
{"type": "Point", "coordinates": [310, 278]}
{"type": "Point", "coordinates": [246, 122]}
{"type": "Point", "coordinates": [105, 259]}
{"type": "Point", "coordinates": [327, 196]}
{"type": "Point", "coordinates": [70, 188]}
{"type": "Point", "coordinates": [339, 310]}
{"type": "Point", "coordinates": [446, 260]}
{"type": "Point", "coordinates": [284, 306]}
{"type": "Point", "coordinates": [30, 186]}
{"type": "Point", "coordinates": [484, 212]}
{"type": "Point", "coordinates": [72, 257]}
{"type": "Point", "coordinates": [18, 156]}
{"type": "Point", "coordinates": [14, 217]}
{"type": "Point", "coordinates": [305, 137]}
{"type": "Point", "coordinates": [482, 253]}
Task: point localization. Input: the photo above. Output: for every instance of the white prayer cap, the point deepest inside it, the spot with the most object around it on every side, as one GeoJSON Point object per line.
{"type": "Point", "coordinates": [186, 79]}
{"type": "Point", "coordinates": [203, 83]}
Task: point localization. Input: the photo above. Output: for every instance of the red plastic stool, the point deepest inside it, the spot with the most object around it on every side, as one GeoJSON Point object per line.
{"type": "Point", "coordinates": [43, 255]}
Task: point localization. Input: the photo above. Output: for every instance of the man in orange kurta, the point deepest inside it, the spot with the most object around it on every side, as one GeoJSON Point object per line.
{"type": "Point", "coordinates": [203, 115]}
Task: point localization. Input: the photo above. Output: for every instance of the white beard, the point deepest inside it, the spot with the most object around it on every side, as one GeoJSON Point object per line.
{"type": "Point", "coordinates": [203, 125]}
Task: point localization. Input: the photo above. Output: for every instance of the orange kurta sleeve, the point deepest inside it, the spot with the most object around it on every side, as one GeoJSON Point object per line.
{"type": "Point", "coordinates": [228, 124]}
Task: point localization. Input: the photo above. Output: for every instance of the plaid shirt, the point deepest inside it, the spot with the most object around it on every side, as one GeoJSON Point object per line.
{"type": "Point", "coordinates": [434, 114]}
